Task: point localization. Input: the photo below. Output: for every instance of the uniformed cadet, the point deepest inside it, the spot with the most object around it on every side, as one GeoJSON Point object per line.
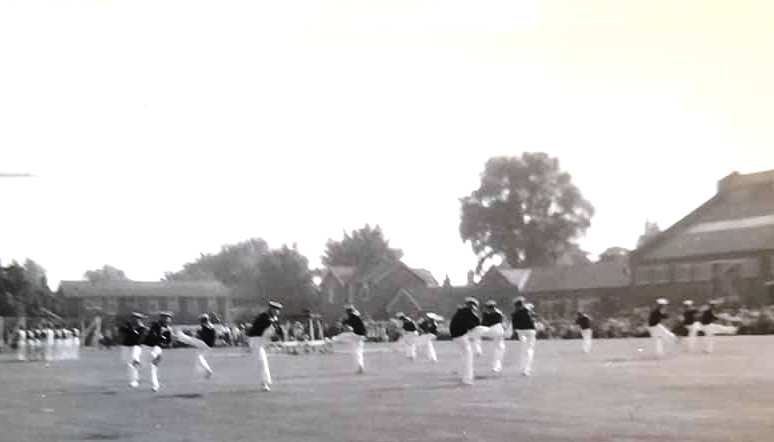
{"type": "Point", "coordinates": [583, 321]}
{"type": "Point", "coordinates": [428, 326]}
{"type": "Point", "coordinates": [159, 336]}
{"type": "Point", "coordinates": [354, 334]}
{"type": "Point", "coordinates": [657, 330]}
{"type": "Point", "coordinates": [708, 319]}
{"type": "Point", "coordinates": [49, 341]}
{"type": "Point", "coordinates": [523, 319]}
{"type": "Point", "coordinates": [132, 335]}
{"type": "Point", "coordinates": [33, 344]}
{"type": "Point", "coordinates": [21, 344]}
{"type": "Point", "coordinates": [464, 320]}
{"type": "Point", "coordinates": [264, 327]}
{"type": "Point", "coordinates": [76, 343]}
{"type": "Point", "coordinates": [206, 333]}
{"type": "Point", "coordinates": [408, 338]}
{"type": "Point", "coordinates": [691, 322]}
{"type": "Point", "coordinates": [491, 327]}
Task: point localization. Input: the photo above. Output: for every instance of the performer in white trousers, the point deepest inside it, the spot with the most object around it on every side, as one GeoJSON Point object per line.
{"type": "Point", "coordinates": [657, 330]}
{"type": "Point", "coordinates": [208, 336]}
{"type": "Point", "coordinates": [49, 344]}
{"type": "Point", "coordinates": [409, 334]}
{"type": "Point", "coordinates": [264, 327]}
{"type": "Point", "coordinates": [691, 323]}
{"type": "Point", "coordinates": [710, 327]}
{"type": "Point", "coordinates": [428, 325]}
{"type": "Point", "coordinates": [21, 344]}
{"type": "Point", "coordinates": [355, 335]}
{"type": "Point", "coordinates": [132, 335]}
{"type": "Point", "coordinates": [159, 336]}
{"type": "Point", "coordinates": [523, 320]}
{"type": "Point", "coordinates": [76, 344]}
{"type": "Point", "coordinates": [491, 327]}
{"type": "Point", "coordinates": [583, 321]}
{"type": "Point", "coordinates": [465, 319]}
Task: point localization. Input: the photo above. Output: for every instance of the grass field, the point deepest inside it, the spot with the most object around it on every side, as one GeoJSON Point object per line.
{"type": "Point", "coordinates": [615, 394]}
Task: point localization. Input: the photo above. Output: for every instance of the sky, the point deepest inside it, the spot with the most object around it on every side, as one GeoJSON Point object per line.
{"type": "Point", "coordinates": [159, 130]}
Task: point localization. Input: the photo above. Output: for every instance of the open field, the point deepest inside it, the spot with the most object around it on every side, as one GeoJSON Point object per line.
{"type": "Point", "coordinates": [615, 394]}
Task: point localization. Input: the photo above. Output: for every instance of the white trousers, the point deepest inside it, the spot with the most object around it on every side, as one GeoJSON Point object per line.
{"type": "Point", "coordinates": [527, 342]}
{"type": "Point", "coordinates": [408, 342]}
{"type": "Point", "coordinates": [660, 335]}
{"type": "Point", "coordinates": [262, 361]}
{"type": "Point", "coordinates": [586, 335]}
{"type": "Point", "coordinates": [155, 353]}
{"type": "Point", "coordinates": [21, 350]}
{"type": "Point", "coordinates": [426, 341]}
{"type": "Point", "coordinates": [466, 350]}
{"type": "Point", "coordinates": [710, 330]}
{"type": "Point", "coordinates": [497, 334]}
{"type": "Point", "coordinates": [132, 357]}
{"type": "Point", "coordinates": [357, 344]}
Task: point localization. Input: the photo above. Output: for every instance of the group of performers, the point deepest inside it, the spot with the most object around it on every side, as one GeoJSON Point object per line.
{"type": "Point", "coordinates": [46, 343]}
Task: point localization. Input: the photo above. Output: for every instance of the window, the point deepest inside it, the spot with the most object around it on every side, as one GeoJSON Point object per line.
{"type": "Point", "coordinates": [163, 304]}
{"type": "Point", "coordinates": [642, 275]}
{"type": "Point", "coordinates": [702, 271]}
{"type": "Point", "coordinates": [204, 305]}
{"type": "Point", "coordinates": [660, 274]}
{"type": "Point", "coordinates": [183, 305]}
{"type": "Point", "coordinates": [683, 272]}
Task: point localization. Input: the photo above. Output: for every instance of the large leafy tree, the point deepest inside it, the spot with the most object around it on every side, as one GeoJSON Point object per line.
{"type": "Point", "coordinates": [361, 248]}
{"type": "Point", "coordinates": [526, 210]}
{"type": "Point", "coordinates": [24, 290]}
{"type": "Point", "coordinates": [236, 265]}
{"type": "Point", "coordinates": [285, 276]}
{"type": "Point", "coordinates": [106, 273]}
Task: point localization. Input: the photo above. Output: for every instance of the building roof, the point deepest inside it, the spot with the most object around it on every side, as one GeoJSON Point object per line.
{"type": "Point", "coordinates": [515, 277]}
{"type": "Point", "coordinates": [426, 276]}
{"type": "Point", "coordinates": [568, 278]}
{"type": "Point", "coordinates": [341, 273]}
{"type": "Point", "coordinates": [192, 289]}
{"type": "Point", "coordinates": [739, 218]}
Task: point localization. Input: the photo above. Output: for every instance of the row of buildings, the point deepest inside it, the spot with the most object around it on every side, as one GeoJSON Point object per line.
{"type": "Point", "coordinates": [722, 249]}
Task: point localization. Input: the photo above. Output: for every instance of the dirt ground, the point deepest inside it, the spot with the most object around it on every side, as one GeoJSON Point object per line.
{"type": "Point", "coordinates": [617, 393]}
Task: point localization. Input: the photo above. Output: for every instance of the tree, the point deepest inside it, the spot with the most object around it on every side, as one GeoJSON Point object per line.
{"type": "Point", "coordinates": [285, 277]}
{"type": "Point", "coordinates": [614, 254]}
{"type": "Point", "coordinates": [106, 273]}
{"type": "Point", "coordinates": [362, 248]}
{"type": "Point", "coordinates": [651, 231]}
{"type": "Point", "coordinates": [25, 290]}
{"type": "Point", "coordinates": [525, 210]}
{"type": "Point", "coordinates": [573, 256]}
{"type": "Point", "coordinates": [235, 265]}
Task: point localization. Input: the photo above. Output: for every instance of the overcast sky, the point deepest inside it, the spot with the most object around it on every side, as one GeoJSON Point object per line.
{"type": "Point", "coordinates": [158, 130]}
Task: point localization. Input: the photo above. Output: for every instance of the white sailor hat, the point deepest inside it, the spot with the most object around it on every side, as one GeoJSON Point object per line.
{"type": "Point", "coordinates": [400, 315]}
{"type": "Point", "coordinates": [714, 302]}
{"type": "Point", "coordinates": [688, 302]}
{"type": "Point", "coordinates": [351, 308]}
{"type": "Point", "coordinates": [167, 314]}
{"type": "Point", "coordinates": [434, 316]}
{"type": "Point", "coordinates": [662, 301]}
{"type": "Point", "coordinates": [471, 300]}
{"type": "Point", "coordinates": [204, 316]}
{"type": "Point", "coordinates": [138, 315]}
{"type": "Point", "coordinates": [275, 304]}
{"type": "Point", "coordinates": [491, 303]}
{"type": "Point", "coordinates": [519, 299]}
{"type": "Point", "coordinates": [529, 306]}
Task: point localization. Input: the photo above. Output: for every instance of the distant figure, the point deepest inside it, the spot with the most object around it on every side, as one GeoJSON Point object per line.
{"type": "Point", "coordinates": [691, 323]}
{"type": "Point", "coordinates": [21, 344]}
{"type": "Point", "coordinates": [428, 327]}
{"type": "Point", "coordinates": [354, 334]}
{"type": "Point", "coordinates": [159, 336]}
{"type": "Point", "coordinates": [657, 331]}
{"type": "Point", "coordinates": [464, 320]}
{"type": "Point", "coordinates": [523, 319]}
{"type": "Point", "coordinates": [711, 328]}
{"type": "Point", "coordinates": [76, 344]}
{"type": "Point", "coordinates": [132, 334]}
{"type": "Point", "coordinates": [408, 337]}
{"type": "Point", "coordinates": [583, 322]}
{"type": "Point", "coordinates": [265, 326]}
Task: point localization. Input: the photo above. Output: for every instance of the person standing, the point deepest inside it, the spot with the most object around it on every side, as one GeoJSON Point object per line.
{"type": "Point", "coordinates": [523, 319]}
{"type": "Point", "coordinates": [708, 319]}
{"type": "Point", "coordinates": [691, 323]}
{"type": "Point", "coordinates": [354, 334]}
{"type": "Point", "coordinates": [409, 335]}
{"type": "Point", "coordinates": [132, 334]}
{"type": "Point", "coordinates": [464, 320]}
{"type": "Point", "coordinates": [21, 344]}
{"type": "Point", "coordinates": [159, 336]}
{"type": "Point", "coordinates": [583, 321]}
{"type": "Point", "coordinates": [657, 330]}
{"type": "Point", "coordinates": [428, 326]}
{"type": "Point", "coordinates": [264, 327]}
